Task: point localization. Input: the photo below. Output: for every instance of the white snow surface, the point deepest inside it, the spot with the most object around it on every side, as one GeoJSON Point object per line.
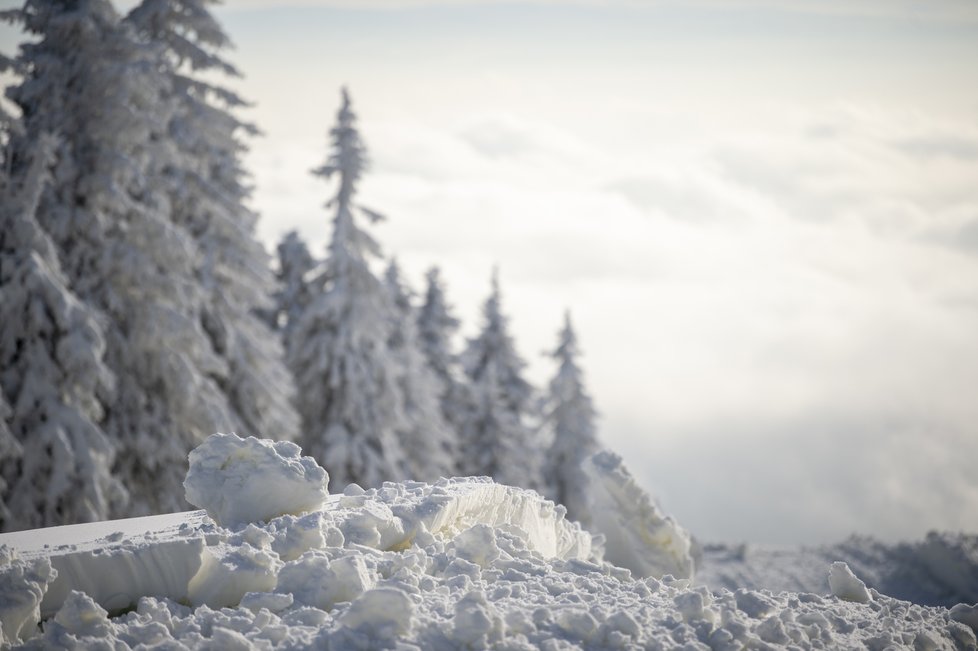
{"type": "Point", "coordinates": [637, 535]}
{"type": "Point", "coordinates": [940, 570]}
{"type": "Point", "coordinates": [462, 563]}
{"type": "Point", "coordinates": [241, 480]}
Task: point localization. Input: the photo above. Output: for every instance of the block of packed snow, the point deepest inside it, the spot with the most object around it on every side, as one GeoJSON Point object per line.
{"type": "Point", "coordinates": [117, 561]}
{"type": "Point", "coordinates": [241, 480]}
{"type": "Point", "coordinates": [967, 615]}
{"type": "Point", "coordinates": [227, 573]}
{"type": "Point", "coordinates": [385, 612]}
{"type": "Point", "coordinates": [637, 535]}
{"type": "Point", "coordinates": [846, 585]}
{"type": "Point", "coordinates": [315, 580]}
{"type": "Point", "coordinates": [117, 575]}
{"type": "Point", "coordinates": [80, 616]}
{"type": "Point", "coordinates": [23, 585]}
{"type": "Point", "coordinates": [452, 506]}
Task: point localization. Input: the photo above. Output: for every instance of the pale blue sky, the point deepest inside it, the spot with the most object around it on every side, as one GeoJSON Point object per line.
{"type": "Point", "coordinates": [763, 215]}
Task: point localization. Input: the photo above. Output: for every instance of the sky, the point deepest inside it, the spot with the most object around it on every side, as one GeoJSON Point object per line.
{"type": "Point", "coordinates": [762, 215]}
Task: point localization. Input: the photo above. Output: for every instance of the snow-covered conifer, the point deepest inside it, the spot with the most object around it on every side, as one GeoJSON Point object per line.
{"type": "Point", "coordinates": [55, 460]}
{"type": "Point", "coordinates": [294, 294]}
{"type": "Point", "coordinates": [436, 327]}
{"type": "Point", "coordinates": [570, 418]}
{"type": "Point", "coordinates": [207, 196]}
{"type": "Point", "coordinates": [89, 79]}
{"type": "Point", "coordinates": [348, 391]}
{"type": "Point", "coordinates": [496, 438]}
{"type": "Point", "coordinates": [428, 442]}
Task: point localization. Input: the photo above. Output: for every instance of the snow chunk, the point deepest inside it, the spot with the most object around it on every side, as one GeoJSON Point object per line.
{"type": "Point", "coordinates": [315, 580]}
{"type": "Point", "coordinates": [637, 535]}
{"type": "Point", "coordinates": [238, 480]}
{"type": "Point", "coordinates": [846, 585]}
{"type": "Point", "coordinates": [967, 615]}
{"type": "Point", "coordinates": [228, 573]}
{"type": "Point", "coordinates": [22, 587]}
{"type": "Point", "coordinates": [385, 612]}
{"type": "Point", "coordinates": [82, 617]}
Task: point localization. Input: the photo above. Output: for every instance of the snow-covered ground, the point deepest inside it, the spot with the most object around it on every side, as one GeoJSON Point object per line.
{"type": "Point", "coordinates": [463, 563]}
{"type": "Point", "coordinates": [941, 570]}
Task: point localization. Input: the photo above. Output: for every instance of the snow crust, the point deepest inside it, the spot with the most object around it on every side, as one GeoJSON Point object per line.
{"type": "Point", "coordinates": [240, 480]}
{"type": "Point", "coordinates": [637, 535]}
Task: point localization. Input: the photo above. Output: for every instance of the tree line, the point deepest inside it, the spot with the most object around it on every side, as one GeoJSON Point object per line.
{"type": "Point", "coordinates": [140, 313]}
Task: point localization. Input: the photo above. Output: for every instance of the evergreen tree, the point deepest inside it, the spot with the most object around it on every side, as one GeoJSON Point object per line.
{"type": "Point", "coordinates": [428, 442]}
{"type": "Point", "coordinates": [55, 460]}
{"type": "Point", "coordinates": [497, 438]}
{"type": "Point", "coordinates": [570, 417]}
{"type": "Point", "coordinates": [436, 327]}
{"type": "Point", "coordinates": [89, 79]}
{"type": "Point", "coordinates": [10, 452]}
{"type": "Point", "coordinates": [207, 197]}
{"type": "Point", "coordinates": [295, 263]}
{"type": "Point", "coordinates": [349, 394]}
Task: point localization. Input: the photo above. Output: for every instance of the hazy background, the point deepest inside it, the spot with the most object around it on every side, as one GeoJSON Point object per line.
{"type": "Point", "coordinates": [763, 216]}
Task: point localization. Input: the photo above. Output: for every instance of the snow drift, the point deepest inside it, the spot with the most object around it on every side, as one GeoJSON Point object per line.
{"type": "Point", "coordinates": [463, 563]}
{"type": "Point", "coordinates": [941, 570]}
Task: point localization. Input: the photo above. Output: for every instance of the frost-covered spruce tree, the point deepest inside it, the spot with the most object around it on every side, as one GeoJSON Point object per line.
{"type": "Point", "coordinates": [294, 294]}
{"type": "Point", "coordinates": [89, 79]}
{"type": "Point", "coordinates": [54, 459]}
{"type": "Point", "coordinates": [10, 452]}
{"type": "Point", "coordinates": [348, 391]}
{"type": "Point", "coordinates": [429, 444]}
{"type": "Point", "coordinates": [569, 417]}
{"type": "Point", "coordinates": [496, 437]}
{"type": "Point", "coordinates": [436, 327]}
{"type": "Point", "coordinates": [208, 197]}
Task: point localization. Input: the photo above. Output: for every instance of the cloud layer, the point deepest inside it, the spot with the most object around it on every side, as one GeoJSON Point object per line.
{"type": "Point", "coordinates": [769, 245]}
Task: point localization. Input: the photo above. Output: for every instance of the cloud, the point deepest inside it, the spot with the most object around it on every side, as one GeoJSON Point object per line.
{"type": "Point", "coordinates": [777, 321]}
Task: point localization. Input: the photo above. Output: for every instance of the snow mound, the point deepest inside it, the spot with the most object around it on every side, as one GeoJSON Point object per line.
{"type": "Point", "coordinates": [463, 563]}
{"type": "Point", "coordinates": [240, 480]}
{"type": "Point", "coordinates": [637, 535]}
{"type": "Point", "coordinates": [941, 570]}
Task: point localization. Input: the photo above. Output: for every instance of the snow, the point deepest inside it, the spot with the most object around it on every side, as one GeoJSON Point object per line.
{"type": "Point", "coordinates": [941, 570]}
{"type": "Point", "coordinates": [846, 585]}
{"type": "Point", "coordinates": [461, 563]}
{"type": "Point", "coordinates": [240, 480]}
{"type": "Point", "coordinates": [637, 535]}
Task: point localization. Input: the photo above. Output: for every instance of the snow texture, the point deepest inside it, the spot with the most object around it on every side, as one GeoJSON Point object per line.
{"type": "Point", "coordinates": [462, 563]}
{"type": "Point", "coordinates": [637, 535]}
{"type": "Point", "coordinates": [241, 480]}
{"type": "Point", "coordinates": [941, 570]}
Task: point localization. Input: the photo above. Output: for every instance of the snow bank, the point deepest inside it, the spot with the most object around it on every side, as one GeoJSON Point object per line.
{"type": "Point", "coordinates": [637, 535]}
{"type": "Point", "coordinates": [240, 480]}
{"type": "Point", "coordinates": [941, 570]}
{"type": "Point", "coordinates": [464, 563]}
{"type": "Point", "coordinates": [189, 558]}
